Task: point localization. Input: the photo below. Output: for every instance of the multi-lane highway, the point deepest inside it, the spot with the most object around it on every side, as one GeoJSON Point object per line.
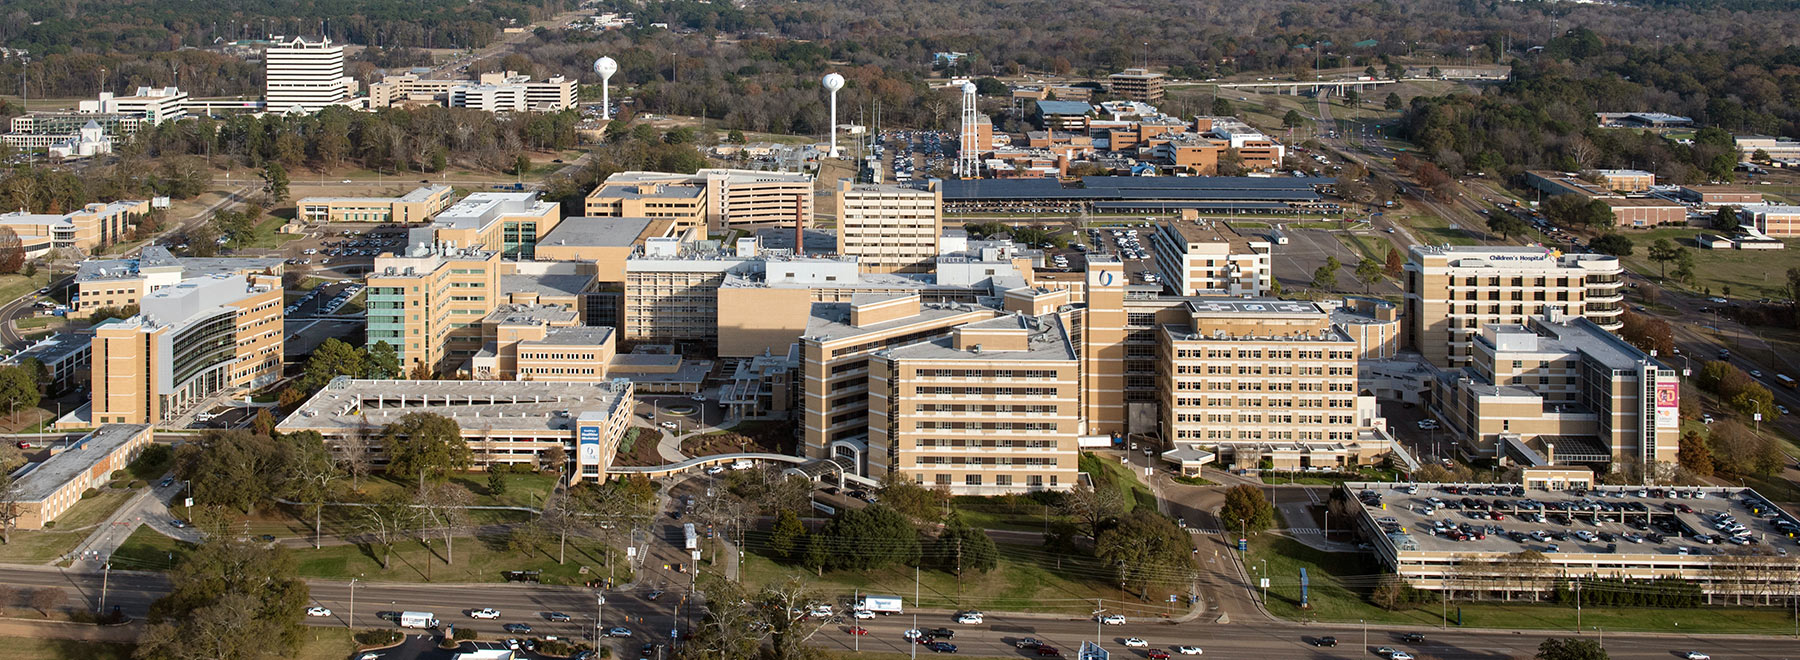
{"type": "Point", "coordinates": [650, 620]}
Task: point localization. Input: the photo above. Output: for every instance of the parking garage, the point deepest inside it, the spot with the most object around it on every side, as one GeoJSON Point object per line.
{"type": "Point", "coordinates": [1502, 540]}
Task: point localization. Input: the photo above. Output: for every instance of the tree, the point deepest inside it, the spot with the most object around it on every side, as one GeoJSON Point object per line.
{"type": "Point", "coordinates": [1093, 507]}
{"type": "Point", "coordinates": [12, 252]}
{"type": "Point", "coordinates": [1726, 219]}
{"type": "Point", "coordinates": [331, 359]}
{"type": "Point", "coordinates": [1506, 225]}
{"type": "Point", "coordinates": [387, 520]}
{"type": "Point", "coordinates": [1325, 278]}
{"type": "Point", "coordinates": [521, 164]}
{"type": "Point", "coordinates": [382, 361]}
{"type": "Point", "coordinates": [1396, 264]}
{"type": "Point", "coordinates": [1662, 251]}
{"type": "Point", "coordinates": [445, 508]}
{"type": "Point", "coordinates": [1146, 547]}
{"type": "Point", "coordinates": [1694, 455]}
{"type": "Point", "coordinates": [1392, 102]}
{"type": "Point", "coordinates": [785, 607]}
{"type": "Point", "coordinates": [275, 181]}
{"type": "Point", "coordinates": [1684, 267]}
{"type": "Point", "coordinates": [1221, 107]}
{"type": "Point", "coordinates": [425, 446]}
{"type": "Point", "coordinates": [1368, 271]}
{"type": "Point", "coordinates": [496, 484]}
{"type": "Point", "coordinates": [228, 600]}
{"type": "Point", "coordinates": [555, 460]}
{"type": "Point", "coordinates": [1352, 97]}
{"type": "Point", "coordinates": [1614, 244]}
{"type": "Point", "coordinates": [234, 468]}
{"type": "Point", "coordinates": [1648, 333]}
{"type": "Point", "coordinates": [787, 536]}
{"type": "Point", "coordinates": [308, 476]}
{"type": "Point", "coordinates": [9, 504]}
{"type": "Point", "coordinates": [1292, 119]}
{"type": "Point", "coordinates": [962, 547]}
{"type": "Point", "coordinates": [46, 599]}
{"type": "Point", "coordinates": [263, 423]}
{"type": "Point", "coordinates": [18, 389]}
{"type": "Point", "coordinates": [870, 538]}
{"type": "Point", "coordinates": [912, 499]}
{"type": "Point", "coordinates": [1246, 503]}
{"type": "Point", "coordinates": [1561, 648]}
{"type": "Point", "coordinates": [353, 456]}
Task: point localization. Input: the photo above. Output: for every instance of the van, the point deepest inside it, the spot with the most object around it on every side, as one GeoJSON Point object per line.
{"type": "Point", "coordinates": [742, 464]}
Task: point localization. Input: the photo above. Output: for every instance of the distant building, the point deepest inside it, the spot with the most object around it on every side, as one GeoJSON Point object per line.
{"type": "Point", "coordinates": [94, 226]}
{"type": "Point", "coordinates": [490, 92]}
{"type": "Point", "coordinates": [1138, 85]}
{"type": "Point", "coordinates": [510, 223]}
{"type": "Point", "coordinates": [304, 76]}
{"type": "Point", "coordinates": [1452, 292]}
{"type": "Point", "coordinates": [889, 228]}
{"type": "Point", "coordinates": [1069, 116]}
{"type": "Point", "coordinates": [948, 58]}
{"type": "Point", "coordinates": [714, 199]}
{"type": "Point", "coordinates": [66, 356]}
{"type": "Point", "coordinates": [88, 142]}
{"type": "Point", "coordinates": [416, 206]}
{"type": "Point", "coordinates": [1773, 219]}
{"type": "Point", "coordinates": [1641, 120]}
{"type": "Point", "coordinates": [120, 283]}
{"type": "Point", "coordinates": [1713, 195]}
{"type": "Point", "coordinates": [1779, 148]}
{"type": "Point", "coordinates": [1627, 181]}
{"type": "Point", "coordinates": [153, 104]}
{"type": "Point", "coordinates": [1210, 258]}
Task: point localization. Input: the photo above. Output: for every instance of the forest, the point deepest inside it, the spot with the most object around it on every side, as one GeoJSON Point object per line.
{"type": "Point", "coordinates": [1543, 117]}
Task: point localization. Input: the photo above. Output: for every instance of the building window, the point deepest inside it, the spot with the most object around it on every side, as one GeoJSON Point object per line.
{"type": "Point", "coordinates": [972, 480]}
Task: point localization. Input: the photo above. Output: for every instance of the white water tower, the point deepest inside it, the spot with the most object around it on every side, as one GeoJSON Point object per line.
{"type": "Point", "coordinates": [606, 67]}
{"type": "Point", "coordinates": [833, 82]}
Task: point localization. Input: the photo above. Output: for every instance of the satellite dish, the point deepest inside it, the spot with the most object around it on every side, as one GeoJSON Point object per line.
{"type": "Point", "coordinates": [606, 67]}
{"type": "Point", "coordinates": [833, 82]}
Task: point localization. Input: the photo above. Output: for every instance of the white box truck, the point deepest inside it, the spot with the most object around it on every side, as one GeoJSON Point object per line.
{"type": "Point", "coordinates": [417, 620]}
{"type": "Point", "coordinates": [881, 604]}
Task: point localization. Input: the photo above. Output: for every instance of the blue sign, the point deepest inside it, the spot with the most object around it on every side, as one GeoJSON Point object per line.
{"type": "Point", "coordinates": [1243, 545]}
{"type": "Point", "coordinates": [590, 434]}
{"type": "Point", "coordinates": [1303, 585]}
{"type": "Point", "coordinates": [1106, 278]}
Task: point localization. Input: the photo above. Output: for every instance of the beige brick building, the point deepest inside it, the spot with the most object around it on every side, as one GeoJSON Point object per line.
{"type": "Point", "coordinates": [889, 228]}
{"type": "Point", "coordinates": [122, 282]}
{"type": "Point", "coordinates": [1208, 257]}
{"type": "Point", "coordinates": [93, 227]}
{"type": "Point", "coordinates": [56, 484]}
{"type": "Point", "coordinates": [1453, 291]}
{"type": "Point", "coordinates": [712, 199]}
{"type": "Point", "coordinates": [202, 337]}
{"type": "Point", "coordinates": [413, 207]}
{"type": "Point", "coordinates": [429, 304]}
{"type": "Point", "coordinates": [1138, 85]}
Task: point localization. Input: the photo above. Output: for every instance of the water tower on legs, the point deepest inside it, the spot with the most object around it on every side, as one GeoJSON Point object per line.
{"type": "Point", "coordinates": [606, 67]}
{"type": "Point", "coordinates": [833, 82]}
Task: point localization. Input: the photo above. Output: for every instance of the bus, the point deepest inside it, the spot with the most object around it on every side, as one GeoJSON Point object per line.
{"type": "Point", "coordinates": [1785, 381]}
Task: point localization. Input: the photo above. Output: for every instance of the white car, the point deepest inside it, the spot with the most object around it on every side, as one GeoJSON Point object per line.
{"type": "Point", "coordinates": [863, 614]}
{"type": "Point", "coordinates": [1400, 655]}
{"type": "Point", "coordinates": [1696, 655]}
{"type": "Point", "coordinates": [1113, 619]}
{"type": "Point", "coordinates": [716, 469]}
{"type": "Point", "coordinates": [1136, 643]}
{"type": "Point", "coordinates": [1188, 650]}
{"type": "Point", "coordinates": [484, 613]}
{"type": "Point", "coordinates": [669, 425]}
{"type": "Point", "coordinates": [317, 611]}
{"type": "Point", "coordinates": [969, 617]}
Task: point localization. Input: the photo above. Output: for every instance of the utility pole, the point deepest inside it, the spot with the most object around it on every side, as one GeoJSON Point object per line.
{"type": "Point", "coordinates": [599, 612]}
{"type": "Point", "coordinates": [351, 621]}
{"type": "Point", "coordinates": [104, 578]}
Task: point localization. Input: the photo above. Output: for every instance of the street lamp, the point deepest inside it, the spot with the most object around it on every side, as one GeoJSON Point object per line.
{"type": "Point", "coordinates": [351, 620]}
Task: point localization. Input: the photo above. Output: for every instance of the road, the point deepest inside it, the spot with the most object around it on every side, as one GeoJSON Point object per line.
{"type": "Point", "coordinates": [651, 619]}
{"type": "Point", "coordinates": [22, 307]}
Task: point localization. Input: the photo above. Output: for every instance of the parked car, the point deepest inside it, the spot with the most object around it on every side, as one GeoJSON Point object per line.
{"type": "Point", "coordinates": [318, 611]}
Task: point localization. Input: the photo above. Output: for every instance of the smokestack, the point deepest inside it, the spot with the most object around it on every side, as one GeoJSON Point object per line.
{"type": "Point", "coordinates": [800, 225]}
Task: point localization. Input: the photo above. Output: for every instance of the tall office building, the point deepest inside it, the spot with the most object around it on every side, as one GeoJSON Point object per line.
{"type": "Point", "coordinates": [304, 76]}
{"type": "Point", "coordinates": [429, 303]}
{"type": "Point", "coordinates": [191, 341]}
{"type": "Point", "coordinates": [1452, 292]}
{"type": "Point", "coordinates": [892, 229]}
{"type": "Point", "coordinates": [1208, 257]}
{"type": "Point", "coordinates": [1138, 85]}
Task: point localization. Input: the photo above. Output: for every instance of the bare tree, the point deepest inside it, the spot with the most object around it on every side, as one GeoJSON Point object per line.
{"type": "Point", "coordinates": [12, 252]}
{"type": "Point", "coordinates": [9, 506]}
{"type": "Point", "coordinates": [46, 599]}
{"type": "Point", "coordinates": [353, 457]}
{"type": "Point", "coordinates": [446, 507]}
{"type": "Point", "coordinates": [785, 607]}
{"type": "Point", "coordinates": [1093, 507]}
{"type": "Point", "coordinates": [562, 518]}
{"type": "Point", "coordinates": [386, 521]}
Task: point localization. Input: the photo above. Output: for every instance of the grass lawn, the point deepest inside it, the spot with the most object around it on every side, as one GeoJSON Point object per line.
{"type": "Point", "coordinates": [267, 234]}
{"type": "Point", "coordinates": [1019, 513]}
{"type": "Point", "coordinates": [1365, 474]}
{"type": "Point", "coordinates": [148, 550]}
{"type": "Point", "coordinates": [13, 286]}
{"type": "Point", "coordinates": [1749, 273]}
{"type": "Point", "coordinates": [63, 649]}
{"type": "Point", "coordinates": [1339, 582]}
{"type": "Point", "coordinates": [35, 322]}
{"type": "Point", "coordinates": [1027, 579]}
{"type": "Point", "coordinates": [325, 644]}
{"type": "Point", "coordinates": [478, 559]}
{"type": "Point", "coordinates": [1109, 473]}
{"type": "Point", "coordinates": [1436, 230]}
{"type": "Point", "coordinates": [42, 546]}
{"type": "Point", "coordinates": [526, 490]}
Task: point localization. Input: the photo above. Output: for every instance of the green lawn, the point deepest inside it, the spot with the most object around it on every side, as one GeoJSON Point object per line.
{"type": "Point", "coordinates": [1749, 273]}
{"type": "Point", "coordinates": [1027, 579]}
{"type": "Point", "coordinates": [35, 322]}
{"type": "Point", "coordinates": [1109, 473]}
{"type": "Point", "coordinates": [1365, 474]}
{"type": "Point", "coordinates": [1339, 583]}
{"type": "Point", "coordinates": [1020, 513]}
{"type": "Point", "coordinates": [267, 234]}
{"type": "Point", "coordinates": [478, 559]}
{"type": "Point", "coordinates": [68, 530]}
{"type": "Point", "coordinates": [13, 286]}
{"type": "Point", "coordinates": [521, 489]}
{"type": "Point", "coordinates": [1435, 230]}
{"type": "Point", "coordinates": [148, 550]}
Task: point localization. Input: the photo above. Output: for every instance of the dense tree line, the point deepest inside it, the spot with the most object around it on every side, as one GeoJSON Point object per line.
{"type": "Point", "coordinates": [1544, 116]}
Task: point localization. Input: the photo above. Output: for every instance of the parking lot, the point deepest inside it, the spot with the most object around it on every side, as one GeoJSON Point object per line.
{"type": "Point", "coordinates": [1508, 519]}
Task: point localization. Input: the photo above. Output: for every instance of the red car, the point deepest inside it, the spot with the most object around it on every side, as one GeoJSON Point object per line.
{"type": "Point", "coordinates": [858, 630]}
{"type": "Point", "coordinates": [1158, 654]}
{"type": "Point", "coordinates": [24, 445]}
{"type": "Point", "coordinates": [1049, 650]}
